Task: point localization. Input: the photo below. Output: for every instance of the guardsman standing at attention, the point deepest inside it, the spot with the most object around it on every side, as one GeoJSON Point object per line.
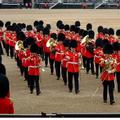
{"type": "Point", "coordinates": [108, 64]}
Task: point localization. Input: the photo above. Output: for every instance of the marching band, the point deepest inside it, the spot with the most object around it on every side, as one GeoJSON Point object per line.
{"type": "Point", "coordinates": [68, 50]}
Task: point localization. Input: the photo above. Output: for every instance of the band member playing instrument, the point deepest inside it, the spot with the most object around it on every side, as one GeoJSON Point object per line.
{"type": "Point", "coordinates": [46, 50]}
{"type": "Point", "coordinates": [98, 53]}
{"type": "Point", "coordinates": [59, 48]}
{"type": "Point", "coordinates": [107, 76]}
{"type": "Point", "coordinates": [6, 105]}
{"type": "Point", "coordinates": [34, 63]}
{"type": "Point", "coordinates": [52, 51]}
{"type": "Point", "coordinates": [73, 67]}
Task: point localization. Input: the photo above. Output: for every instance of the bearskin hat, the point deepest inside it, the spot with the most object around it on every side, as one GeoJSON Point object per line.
{"type": "Point", "coordinates": [46, 31]}
{"type": "Point", "coordinates": [100, 29]}
{"type": "Point", "coordinates": [21, 36]}
{"type": "Point", "coordinates": [77, 30]}
{"type": "Point", "coordinates": [85, 32]}
{"type": "Point", "coordinates": [73, 44]}
{"type": "Point", "coordinates": [91, 34]}
{"type": "Point", "coordinates": [48, 26]}
{"type": "Point", "coordinates": [23, 25]}
{"type": "Point", "coordinates": [4, 86]}
{"type": "Point", "coordinates": [39, 28]}
{"type": "Point", "coordinates": [98, 42]}
{"type": "Point", "coordinates": [105, 42]}
{"type": "Point", "coordinates": [111, 31]}
{"type": "Point", "coordinates": [59, 22]}
{"type": "Point", "coordinates": [41, 22]}
{"type": "Point", "coordinates": [118, 32]}
{"type": "Point", "coordinates": [8, 23]}
{"type": "Point", "coordinates": [29, 27]}
{"type": "Point", "coordinates": [1, 23]}
{"type": "Point", "coordinates": [81, 32]}
{"type": "Point", "coordinates": [105, 31]}
{"type": "Point", "coordinates": [72, 28]}
{"type": "Point", "coordinates": [66, 27]}
{"type": "Point", "coordinates": [108, 49]}
{"type": "Point", "coordinates": [61, 37]}
{"type": "Point", "coordinates": [77, 23]}
{"type": "Point", "coordinates": [89, 26]}
{"type": "Point", "coordinates": [66, 43]}
{"type": "Point", "coordinates": [115, 46]}
{"type": "Point", "coordinates": [30, 41]}
{"type": "Point", "coordinates": [54, 36]}
{"type": "Point", "coordinates": [61, 26]}
{"type": "Point", "coordinates": [34, 48]}
{"type": "Point", "coordinates": [35, 23]}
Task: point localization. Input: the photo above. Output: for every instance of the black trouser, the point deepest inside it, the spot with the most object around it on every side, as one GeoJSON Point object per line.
{"type": "Point", "coordinates": [11, 51]}
{"type": "Point", "coordinates": [57, 68]}
{"type": "Point", "coordinates": [21, 67]}
{"type": "Point", "coordinates": [108, 84]}
{"type": "Point", "coordinates": [84, 61]}
{"type": "Point", "coordinates": [17, 60]}
{"type": "Point", "coordinates": [41, 52]}
{"type": "Point", "coordinates": [118, 80]}
{"type": "Point", "coordinates": [76, 81]}
{"type": "Point", "coordinates": [46, 58]}
{"type": "Point", "coordinates": [25, 72]}
{"type": "Point", "coordinates": [90, 65]}
{"type": "Point", "coordinates": [34, 82]}
{"type": "Point", "coordinates": [97, 69]}
{"type": "Point", "coordinates": [4, 44]}
{"type": "Point", "coordinates": [52, 65]}
{"type": "Point", "coordinates": [64, 75]}
{"type": "Point", "coordinates": [7, 49]}
{"type": "Point", "coordinates": [1, 49]}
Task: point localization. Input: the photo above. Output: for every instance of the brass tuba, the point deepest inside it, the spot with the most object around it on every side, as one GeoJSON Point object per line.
{"type": "Point", "coordinates": [51, 43]}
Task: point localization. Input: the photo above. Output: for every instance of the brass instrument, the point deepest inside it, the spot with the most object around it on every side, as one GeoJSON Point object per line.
{"type": "Point", "coordinates": [85, 40]}
{"type": "Point", "coordinates": [51, 43]}
{"type": "Point", "coordinates": [19, 45]}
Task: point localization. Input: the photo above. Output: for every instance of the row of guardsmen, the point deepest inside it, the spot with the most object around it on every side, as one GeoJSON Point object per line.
{"type": "Point", "coordinates": [66, 48]}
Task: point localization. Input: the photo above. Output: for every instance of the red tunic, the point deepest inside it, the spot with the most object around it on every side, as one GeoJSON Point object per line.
{"type": "Point", "coordinates": [73, 63]}
{"type": "Point", "coordinates": [30, 34]}
{"type": "Point", "coordinates": [34, 65]}
{"type": "Point", "coordinates": [7, 37]}
{"type": "Point", "coordinates": [100, 35]}
{"type": "Point", "coordinates": [45, 48]}
{"type": "Point", "coordinates": [98, 54]}
{"type": "Point", "coordinates": [6, 106]}
{"type": "Point", "coordinates": [1, 35]}
{"type": "Point", "coordinates": [59, 52]}
{"type": "Point", "coordinates": [27, 54]}
{"type": "Point", "coordinates": [39, 38]}
{"type": "Point", "coordinates": [105, 75]}
{"type": "Point", "coordinates": [112, 39]}
{"type": "Point", "coordinates": [12, 39]}
{"type": "Point", "coordinates": [118, 62]}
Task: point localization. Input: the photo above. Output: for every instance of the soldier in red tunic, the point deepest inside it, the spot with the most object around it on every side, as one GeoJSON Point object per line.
{"type": "Point", "coordinates": [52, 51]}
{"type": "Point", "coordinates": [34, 63]}
{"type": "Point", "coordinates": [29, 32]}
{"type": "Point", "coordinates": [1, 37]}
{"type": "Point", "coordinates": [59, 54]}
{"type": "Point", "coordinates": [98, 53]}
{"type": "Point", "coordinates": [46, 50]}
{"type": "Point", "coordinates": [64, 60]}
{"type": "Point", "coordinates": [100, 33]}
{"type": "Point", "coordinates": [73, 67]}
{"type": "Point", "coordinates": [107, 76]}
{"type": "Point", "coordinates": [6, 105]}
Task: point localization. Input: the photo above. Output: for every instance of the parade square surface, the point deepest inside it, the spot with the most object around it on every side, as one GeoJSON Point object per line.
{"type": "Point", "coordinates": [55, 97]}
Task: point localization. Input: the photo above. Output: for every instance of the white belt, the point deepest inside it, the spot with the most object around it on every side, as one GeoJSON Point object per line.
{"type": "Point", "coordinates": [34, 66]}
{"type": "Point", "coordinates": [73, 62]}
{"type": "Point", "coordinates": [97, 56]}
